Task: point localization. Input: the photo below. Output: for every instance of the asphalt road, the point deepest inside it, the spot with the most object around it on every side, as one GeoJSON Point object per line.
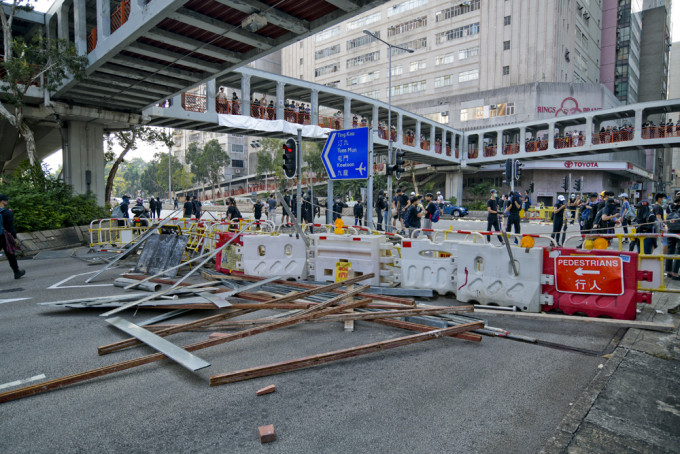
{"type": "Point", "coordinates": [440, 396]}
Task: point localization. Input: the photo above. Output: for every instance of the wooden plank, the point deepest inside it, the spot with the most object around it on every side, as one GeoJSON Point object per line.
{"type": "Point", "coordinates": [105, 349]}
{"type": "Point", "coordinates": [311, 361]}
{"type": "Point", "coordinates": [652, 326]}
{"type": "Point", "coordinates": [473, 337]}
{"type": "Point", "coordinates": [319, 310]}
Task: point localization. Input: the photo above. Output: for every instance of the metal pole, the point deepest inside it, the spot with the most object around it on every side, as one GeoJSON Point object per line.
{"type": "Point", "coordinates": [298, 214]}
{"type": "Point", "coordinates": [369, 191]}
{"type": "Point", "coordinates": [329, 202]}
{"type": "Point", "coordinates": [388, 174]}
{"type": "Point", "coordinates": [512, 177]}
{"type": "Point", "coordinates": [169, 170]}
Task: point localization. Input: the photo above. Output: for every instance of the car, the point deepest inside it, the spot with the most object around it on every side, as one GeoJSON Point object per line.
{"type": "Point", "coordinates": [453, 210]}
{"type": "Point", "coordinates": [208, 203]}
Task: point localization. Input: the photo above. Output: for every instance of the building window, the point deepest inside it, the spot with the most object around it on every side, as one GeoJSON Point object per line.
{"type": "Point", "coordinates": [374, 94]}
{"type": "Point", "coordinates": [405, 6]}
{"type": "Point", "coordinates": [361, 41]}
{"type": "Point", "coordinates": [443, 81]}
{"type": "Point", "coordinates": [302, 61]}
{"type": "Point", "coordinates": [467, 53]}
{"type": "Point", "coordinates": [361, 59]}
{"type": "Point", "coordinates": [444, 59]}
{"type": "Point", "coordinates": [488, 111]}
{"type": "Point", "coordinates": [334, 84]}
{"type": "Point", "coordinates": [464, 7]}
{"type": "Point", "coordinates": [457, 33]}
{"type": "Point", "coordinates": [364, 21]}
{"type": "Point", "coordinates": [412, 87]}
{"type": "Point", "coordinates": [467, 76]}
{"type": "Point", "coordinates": [397, 70]}
{"type": "Point", "coordinates": [507, 20]}
{"type": "Point", "coordinates": [237, 163]}
{"type": "Point", "coordinates": [407, 26]}
{"type": "Point", "coordinates": [327, 52]}
{"type": "Point", "coordinates": [326, 34]}
{"type": "Point", "coordinates": [506, 70]}
{"type": "Point", "coordinates": [236, 148]}
{"type": "Point", "coordinates": [328, 69]}
{"type": "Point", "coordinates": [416, 44]}
{"type": "Point", "coordinates": [506, 45]}
{"type": "Point", "coordinates": [363, 78]}
{"type": "Point", "coordinates": [416, 65]}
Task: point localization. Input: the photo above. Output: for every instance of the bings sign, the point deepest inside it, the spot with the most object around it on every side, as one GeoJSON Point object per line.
{"type": "Point", "coordinates": [569, 106]}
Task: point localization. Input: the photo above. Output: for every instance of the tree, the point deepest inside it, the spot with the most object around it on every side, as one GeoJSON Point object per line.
{"type": "Point", "coordinates": [207, 162]}
{"type": "Point", "coordinates": [27, 63]}
{"type": "Point", "coordinates": [312, 158]}
{"type": "Point", "coordinates": [129, 140]}
{"type": "Point", "coordinates": [270, 161]}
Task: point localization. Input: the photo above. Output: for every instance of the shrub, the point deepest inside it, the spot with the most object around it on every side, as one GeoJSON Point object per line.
{"type": "Point", "coordinates": [40, 202]}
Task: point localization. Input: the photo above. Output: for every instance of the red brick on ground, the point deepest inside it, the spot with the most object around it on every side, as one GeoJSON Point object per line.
{"type": "Point", "coordinates": [266, 390]}
{"type": "Point", "coordinates": [266, 433]}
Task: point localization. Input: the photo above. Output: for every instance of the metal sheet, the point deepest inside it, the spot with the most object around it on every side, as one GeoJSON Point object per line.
{"type": "Point", "coordinates": [172, 351]}
{"type": "Point", "coordinates": [166, 316]}
{"type": "Point", "coordinates": [161, 252]}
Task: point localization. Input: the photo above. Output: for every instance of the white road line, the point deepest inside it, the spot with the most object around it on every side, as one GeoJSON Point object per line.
{"type": "Point", "coordinates": [59, 284]}
{"type": "Point", "coordinates": [21, 382]}
{"type": "Point", "coordinates": [11, 300]}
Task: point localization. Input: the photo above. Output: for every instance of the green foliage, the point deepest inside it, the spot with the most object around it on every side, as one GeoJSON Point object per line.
{"type": "Point", "coordinates": [270, 162]}
{"type": "Point", "coordinates": [40, 202]}
{"type": "Point", "coordinates": [453, 200]}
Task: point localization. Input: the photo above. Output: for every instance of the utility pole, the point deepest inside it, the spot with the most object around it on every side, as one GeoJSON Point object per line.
{"type": "Point", "coordinates": [299, 175]}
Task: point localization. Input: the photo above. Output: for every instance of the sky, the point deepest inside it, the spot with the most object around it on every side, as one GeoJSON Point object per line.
{"type": "Point", "coordinates": [55, 160]}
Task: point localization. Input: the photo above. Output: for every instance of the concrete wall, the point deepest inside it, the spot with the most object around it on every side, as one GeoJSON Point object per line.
{"type": "Point", "coordinates": [653, 55]}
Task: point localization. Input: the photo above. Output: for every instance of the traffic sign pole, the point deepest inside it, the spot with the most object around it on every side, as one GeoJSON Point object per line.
{"type": "Point", "coordinates": [369, 195]}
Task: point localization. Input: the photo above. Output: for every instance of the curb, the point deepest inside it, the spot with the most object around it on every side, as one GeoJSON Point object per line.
{"type": "Point", "coordinates": [566, 429]}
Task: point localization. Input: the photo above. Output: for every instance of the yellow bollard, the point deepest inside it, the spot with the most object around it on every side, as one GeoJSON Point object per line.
{"type": "Point", "coordinates": [339, 227]}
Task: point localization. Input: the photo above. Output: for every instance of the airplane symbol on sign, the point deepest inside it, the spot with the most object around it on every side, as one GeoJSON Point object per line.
{"type": "Point", "coordinates": [361, 169]}
{"type": "Point", "coordinates": [582, 272]}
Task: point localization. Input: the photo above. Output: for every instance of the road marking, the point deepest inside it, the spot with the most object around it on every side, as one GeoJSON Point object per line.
{"type": "Point", "coordinates": [11, 300]}
{"type": "Point", "coordinates": [21, 382]}
{"type": "Point", "coordinates": [59, 284]}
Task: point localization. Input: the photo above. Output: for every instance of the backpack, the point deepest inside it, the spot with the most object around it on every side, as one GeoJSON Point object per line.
{"type": "Point", "coordinates": [645, 218]}
{"type": "Point", "coordinates": [673, 221]}
{"type": "Point", "coordinates": [598, 218]}
{"type": "Point", "coordinates": [436, 214]}
{"type": "Point", "coordinates": [629, 214]}
{"type": "Point", "coordinates": [585, 214]}
{"type": "Point", "coordinates": [381, 204]}
{"type": "Point", "coordinates": [117, 212]}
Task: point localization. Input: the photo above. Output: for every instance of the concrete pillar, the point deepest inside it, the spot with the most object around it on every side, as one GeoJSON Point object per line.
{"type": "Point", "coordinates": [444, 141]}
{"type": "Point", "coordinates": [103, 19]}
{"type": "Point", "coordinates": [375, 119]}
{"type": "Point", "coordinates": [418, 132]}
{"type": "Point", "coordinates": [315, 108]}
{"type": "Point", "coordinates": [63, 22]}
{"type": "Point", "coordinates": [551, 137]}
{"type": "Point", "coordinates": [210, 93]}
{"type": "Point", "coordinates": [638, 124]}
{"type": "Point", "coordinates": [432, 138]}
{"type": "Point", "coordinates": [347, 114]}
{"type": "Point", "coordinates": [136, 6]}
{"type": "Point", "coordinates": [84, 158]}
{"type": "Point", "coordinates": [280, 99]}
{"type": "Point", "coordinates": [454, 185]}
{"type": "Point", "coordinates": [245, 95]}
{"type": "Point", "coordinates": [522, 139]}
{"type": "Point", "coordinates": [80, 26]}
{"type": "Point", "coordinates": [400, 129]}
{"type": "Point", "coordinates": [589, 130]}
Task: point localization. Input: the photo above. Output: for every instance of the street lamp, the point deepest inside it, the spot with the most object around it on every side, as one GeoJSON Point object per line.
{"type": "Point", "coordinates": [389, 122]}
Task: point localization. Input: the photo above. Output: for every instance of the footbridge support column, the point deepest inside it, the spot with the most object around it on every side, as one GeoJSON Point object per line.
{"type": "Point", "coordinates": [84, 159]}
{"type": "Point", "coordinates": [454, 186]}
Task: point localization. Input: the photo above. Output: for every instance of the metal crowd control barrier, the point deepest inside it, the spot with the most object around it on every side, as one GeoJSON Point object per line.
{"type": "Point", "coordinates": [539, 213]}
{"type": "Point", "coordinates": [109, 232]}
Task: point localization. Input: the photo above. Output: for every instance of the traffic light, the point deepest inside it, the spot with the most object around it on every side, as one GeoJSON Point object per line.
{"type": "Point", "coordinates": [508, 170]}
{"type": "Point", "coordinates": [398, 167]}
{"type": "Point", "coordinates": [290, 158]}
{"type": "Point", "coordinates": [531, 187]}
{"type": "Point", "coordinates": [518, 170]}
{"type": "Point", "coordinates": [577, 185]}
{"type": "Point", "coordinates": [565, 184]}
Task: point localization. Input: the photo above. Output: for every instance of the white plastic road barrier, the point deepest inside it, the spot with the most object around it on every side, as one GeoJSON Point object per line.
{"type": "Point", "coordinates": [365, 253]}
{"type": "Point", "coordinates": [486, 276]}
{"type": "Point", "coordinates": [427, 265]}
{"type": "Point", "coordinates": [269, 255]}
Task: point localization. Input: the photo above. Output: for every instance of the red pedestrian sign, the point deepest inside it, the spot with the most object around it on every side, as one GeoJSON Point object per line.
{"type": "Point", "coordinates": [595, 275]}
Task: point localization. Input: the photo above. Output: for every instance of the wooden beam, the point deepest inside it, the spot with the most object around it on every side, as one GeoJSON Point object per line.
{"type": "Point", "coordinates": [319, 310]}
{"type": "Point", "coordinates": [652, 326]}
{"type": "Point", "coordinates": [110, 348]}
{"type": "Point", "coordinates": [311, 361]}
{"type": "Point", "coordinates": [473, 337]}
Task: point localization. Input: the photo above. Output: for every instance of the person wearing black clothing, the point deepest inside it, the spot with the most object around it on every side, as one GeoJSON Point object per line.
{"type": "Point", "coordinates": [293, 206]}
{"type": "Point", "coordinates": [492, 216]}
{"type": "Point", "coordinates": [233, 213]}
{"type": "Point", "coordinates": [139, 210]}
{"type": "Point", "coordinates": [308, 212]}
{"type": "Point", "coordinates": [188, 208]}
{"type": "Point", "coordinates": [152, 207]}
{"type": "Point", "coordinates": [285, 219]}
{"type": "Point", "coordinates": [673, 266]}
{"type": "Point", "coordinates": [257, 212]}
{"type": "Point", "coordinates": [380, 207]}
{"type": "Point", "coordinates": [317, 207]}
{"type": "Point", "coordinates": [358, 213]}
{"type": "Point", "coordinates": [197, 207]}
{"type": "Point", "coordinates": [572, 207]}
{"type": "Point", "coordinates": [8, 237]}
{"type": "Point", "coordinates": [175, 203]}
{"type": "Point", "coordinates": [159, 207]}
{"type": "Point", "coordinates": [402, 202]}
{"type": "Point", "coordinates": [124, 207]}
{"type": "Point", "coordinates": [558, 219]}
{"type": "Point", "coordinates": [513, 218]}
{"type": "Point", "coordinates": [337, 209]}
{"type": "Point", "coordinates": [609, 219]}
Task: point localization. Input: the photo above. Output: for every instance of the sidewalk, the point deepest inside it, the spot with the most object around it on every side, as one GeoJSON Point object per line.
{"type": "Point", "coordinates": [633, 403]}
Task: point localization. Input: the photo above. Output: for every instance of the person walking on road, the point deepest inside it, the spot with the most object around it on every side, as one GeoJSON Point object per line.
{"type": "Point", "coordinates": [358, 213]}
{"type": "Point", "coordinates": [8, 235]}
{"type": "Point", "coordinates": [188, 208]}
{"type": "Point", "coordinates": [271, 209]}
{"type": "Point", "coordinates": [514, 206]}
{"type": "Point", "coordinates": [558, 219]}
{"type": "Point", "coordinates": [492, 216]}
{"type": "Point", "coordinates": [152, 207]}
{"type": "Point", "coordinates": [197, 207]}
{"type": "Point", "coordinates": [159, 207]}
{"type": "Point", "coordinates": [430, 209]}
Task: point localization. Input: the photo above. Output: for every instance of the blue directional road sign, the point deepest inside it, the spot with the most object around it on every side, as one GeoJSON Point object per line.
{"type": "Point", "coordinates": [345, 154]}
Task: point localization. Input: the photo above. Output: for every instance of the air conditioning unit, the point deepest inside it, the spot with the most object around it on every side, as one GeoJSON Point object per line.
{"type": "Point", "coordinates": [237, 171]}
{"type": "Point", "coordinates": [465, 4]}
{"type": "Point", "coordinates": [493, 106]}
{"type": "Point", "coordinates": [586, 15]}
